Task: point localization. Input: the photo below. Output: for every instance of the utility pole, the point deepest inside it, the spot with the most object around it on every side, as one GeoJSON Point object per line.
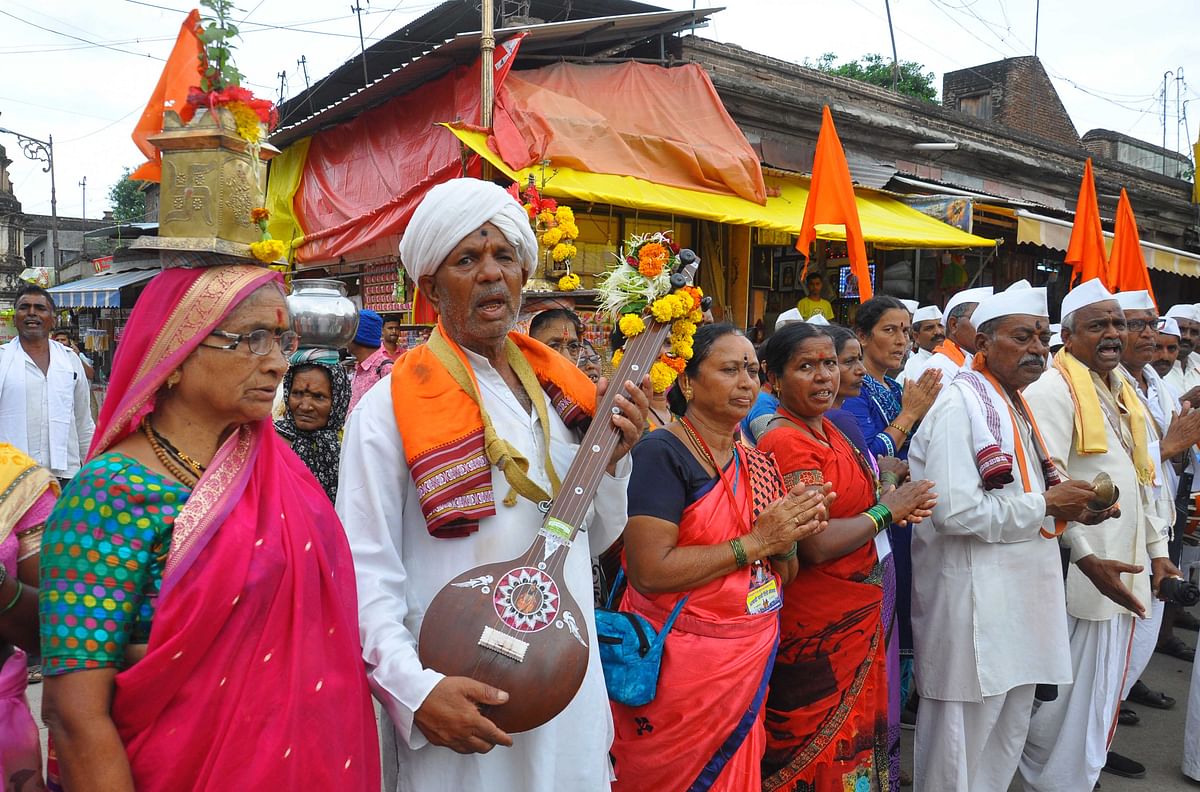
{"type": "Point", "coordinates": [282, 85]}
{"type": "Point", "coordinates": [895, 60]}
{"type": "Point", "coordinates": [1178, 115]}
{"type": "Point", "coordinates": [43, 151]}
{"type": "Point", "coordinates": [303, 64]}
{"type": "Point", "coordinates": [357, 10]}
{"type": "Point", "coordinates": [487, 49]}
{"type": "Point", "coordinates": [1166, 74]}
{"type": "Point", "coordinates": [1037, 20]}
{"type": "Point", "coordinates": [83, 184]}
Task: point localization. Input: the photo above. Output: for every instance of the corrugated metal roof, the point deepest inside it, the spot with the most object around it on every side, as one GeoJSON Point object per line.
{"type": "Point", "coordinates": [449, 36]}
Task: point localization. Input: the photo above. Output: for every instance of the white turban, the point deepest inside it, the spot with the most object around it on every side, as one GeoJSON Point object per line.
{"type": "Point", "coordinates": [452, 210]}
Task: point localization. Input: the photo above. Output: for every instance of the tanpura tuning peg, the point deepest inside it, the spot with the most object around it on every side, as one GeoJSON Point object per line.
{"type": "Point", "coordinates": [686, 256]}
{"type": "Point", "coordinates": [678, 281]}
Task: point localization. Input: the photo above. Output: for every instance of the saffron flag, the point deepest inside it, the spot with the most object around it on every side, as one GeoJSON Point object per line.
{"type": "Point", "coordinates": [1085, 252]}
{"type": "Point", "coordinates": [831, 202]}
{"type": "Point", "coordinates": [1126, 262]}
{"type": "Point", "coordinates": [181, 73]}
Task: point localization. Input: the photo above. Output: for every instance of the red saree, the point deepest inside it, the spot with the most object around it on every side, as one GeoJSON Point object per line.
{"type": "Point", "coordinates": [704, 731]}
{"type": "Point", "coordinates": [827, 713]}
{"type": "Point", "coordinates": [253, 677]}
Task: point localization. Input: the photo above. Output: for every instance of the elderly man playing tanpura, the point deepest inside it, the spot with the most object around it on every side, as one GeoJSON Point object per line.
{"type": "Point", "coordinates": [987, 608]}
{"type": "Point", "coordinates": [957, 348]}
{"type": "Point", "coordinates": [1094, 422]}
{"type": "Point", "coordinates": [423, 500]}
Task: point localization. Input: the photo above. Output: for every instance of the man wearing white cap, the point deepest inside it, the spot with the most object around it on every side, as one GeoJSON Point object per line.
{"type": "Point", "coordinates": [927, 333]}
{"type": "Point", "coordinates": [419, 497]}
{"type": "Point", "coordinates": [958, 347]}
{"type": "Point", "coordinates": [987, 579]}
{"type": "Point", "coordinates": [1185, 374]}
{"type": "Point", "coordinates": [1093, 422]}
{"type": "Point", "coordinates": [1166, 349]}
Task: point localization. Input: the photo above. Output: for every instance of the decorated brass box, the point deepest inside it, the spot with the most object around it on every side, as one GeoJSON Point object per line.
{"type": "Point", "coordinates": [210, 183]}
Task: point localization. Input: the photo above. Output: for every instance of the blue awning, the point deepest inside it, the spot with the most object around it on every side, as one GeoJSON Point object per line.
{"type": "Point", "coordinates": [102, 291]}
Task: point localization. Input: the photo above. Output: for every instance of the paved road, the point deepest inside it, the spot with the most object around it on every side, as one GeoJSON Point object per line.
{"type": "Point", "coordinates": [1157, 741]}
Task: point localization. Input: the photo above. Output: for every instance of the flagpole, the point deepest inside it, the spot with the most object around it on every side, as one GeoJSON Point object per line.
{"type": "Point", "coordinates": [487, 49]}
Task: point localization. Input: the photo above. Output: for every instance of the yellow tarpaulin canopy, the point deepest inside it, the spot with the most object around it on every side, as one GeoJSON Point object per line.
{"type": "Point", "coordinates": [1035, 229]}
{"type": "Point", "coordinates": [885, 222]}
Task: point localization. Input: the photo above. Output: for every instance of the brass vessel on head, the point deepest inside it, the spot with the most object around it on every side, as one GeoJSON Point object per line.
{"type": "Point", "coordinates": [1106, 495]}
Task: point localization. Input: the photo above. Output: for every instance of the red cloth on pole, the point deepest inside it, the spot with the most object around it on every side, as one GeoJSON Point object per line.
{"type": "Point", "coordinates": [181, 72]}
{"type": "Point", "coordinates": [1085, 252]}
{"type": "Point", "coordinates": [831, 202]}
{"type": "Point", "coordinates": [1126, 262]}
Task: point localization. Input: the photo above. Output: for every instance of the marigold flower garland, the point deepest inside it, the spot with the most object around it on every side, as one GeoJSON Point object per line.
{"type": "Point", "coordinates": [555, 227]}
{"type": "Point", "coordinates": [642, 281]}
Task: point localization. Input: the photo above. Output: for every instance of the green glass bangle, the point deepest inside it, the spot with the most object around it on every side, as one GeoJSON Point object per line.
{"type": "Point", "coordinates": [889, 478]}
{"type": "Point", "coordinates": [788, 556]}
{"type": "Point", "coordinates": [16, 597]}
{"type": "Point", "coordinates": [739, 553]}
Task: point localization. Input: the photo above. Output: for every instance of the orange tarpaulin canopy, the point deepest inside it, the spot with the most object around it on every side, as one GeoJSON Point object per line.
{"type": "Point", "coordinates": [667, 126]}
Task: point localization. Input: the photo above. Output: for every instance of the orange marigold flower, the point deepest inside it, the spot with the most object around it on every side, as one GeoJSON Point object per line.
{"type": "Point", "coordinates": [652, 258]}
{"type": "Point", "coordinates": [259, 213]}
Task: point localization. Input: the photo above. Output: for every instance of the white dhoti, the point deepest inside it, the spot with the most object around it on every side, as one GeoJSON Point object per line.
{"type": "Point", "coordinates": [1069, 737]}
{"type": "Point", "coordinates": [1191, 731]}
{"type": "Point", "coordinates": [1145, 638]}
{"type": "Point", "coordinates": [966, 746]}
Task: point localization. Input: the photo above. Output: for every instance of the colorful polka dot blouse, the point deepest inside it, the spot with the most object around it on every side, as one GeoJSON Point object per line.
{"type": "Point", "coordinates": [103, 553]}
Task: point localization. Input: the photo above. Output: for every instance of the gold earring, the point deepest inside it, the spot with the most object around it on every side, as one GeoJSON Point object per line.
{"type": "Point", "coordinates": [174, 379]}
{"type": "Point", "coordinates": [687, 391]}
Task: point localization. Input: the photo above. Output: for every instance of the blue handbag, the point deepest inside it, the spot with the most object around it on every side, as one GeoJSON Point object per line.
{"type": "Point", "coordinates": [631, 650]}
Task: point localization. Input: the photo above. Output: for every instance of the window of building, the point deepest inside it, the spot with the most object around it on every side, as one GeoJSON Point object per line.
{"type": "Point", "coordinates": [978, 105]}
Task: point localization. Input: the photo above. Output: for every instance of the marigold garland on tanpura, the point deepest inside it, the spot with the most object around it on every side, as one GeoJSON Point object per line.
{"type": "Point", "coordinates": [641, 282]}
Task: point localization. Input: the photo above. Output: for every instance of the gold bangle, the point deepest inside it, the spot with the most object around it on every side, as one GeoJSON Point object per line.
{"type": "Point", "coordinates": [898, 428]}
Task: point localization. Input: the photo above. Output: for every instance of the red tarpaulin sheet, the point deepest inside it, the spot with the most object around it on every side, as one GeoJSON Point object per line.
{"type": "Point", "coordinates": [664, 125]}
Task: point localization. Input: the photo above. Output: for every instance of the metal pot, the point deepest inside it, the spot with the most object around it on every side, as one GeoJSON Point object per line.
{"type": "Point", "coordinates": [322, 313]}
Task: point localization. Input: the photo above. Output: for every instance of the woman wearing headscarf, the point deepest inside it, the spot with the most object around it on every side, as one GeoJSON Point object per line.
{"type": "Point", "coordinates": [198, 608]}
{"type": "Point", "coordinates": [316, 397]}
{"type": "Point", "coordinates": [27, 494]}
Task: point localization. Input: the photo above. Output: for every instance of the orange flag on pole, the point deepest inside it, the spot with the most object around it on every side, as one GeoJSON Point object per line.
{"type": "Point", "coordinates": [1126, 262]}
{"type": "Point", "coordinates": [1085, 252]}
{"type": "Point", "coordinates": [181, 72]}
{"type": "Point", "coordinates": [831, 202]}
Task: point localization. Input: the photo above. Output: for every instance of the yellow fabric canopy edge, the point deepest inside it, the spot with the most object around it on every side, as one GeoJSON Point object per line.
{"type": "Point", "coordinates": [885, 221]}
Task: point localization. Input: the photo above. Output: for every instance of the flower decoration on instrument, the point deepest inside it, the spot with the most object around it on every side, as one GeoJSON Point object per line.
{"type": "Point", "coordinates": [643, 283]}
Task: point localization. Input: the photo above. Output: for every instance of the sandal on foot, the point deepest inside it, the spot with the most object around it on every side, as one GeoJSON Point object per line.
{"type": "Point", "coordinates": [1127, 717]}
{"type": "Point", "coordinates": [1140, 694]}
{"type": "Point", "coordinates": [1174, 647]}
{"type": "Point", "coordinates": [1186, 621]}
{"type": "Point", "coordinates": [1124, 766]}
{"type": "Point", "coordinates": [35, 674]}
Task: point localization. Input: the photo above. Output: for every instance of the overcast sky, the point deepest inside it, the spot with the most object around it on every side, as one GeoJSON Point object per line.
{"type": "Point", "coordinates": [81, 70]}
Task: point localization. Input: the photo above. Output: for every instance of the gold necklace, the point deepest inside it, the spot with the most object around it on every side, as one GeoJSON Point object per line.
{"type": "Point", "coordinates": [184, 477]}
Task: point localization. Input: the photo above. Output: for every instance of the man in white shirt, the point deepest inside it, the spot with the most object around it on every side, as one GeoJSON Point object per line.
{"type": "Point", "coordinates": [956, 349]}
{"type": "Point", "coordinates": [422, 504]}
{"type": "Point", "coordinates": [45, 400]}
{"type": "Point", "coordinates": [927, 332]}
{"type": "Point", "coordinates": [987, 611]}
{"type": "Point", "coordinates": [1185, 374]}
{"type": "Point", "coordinates": [1093, 421]}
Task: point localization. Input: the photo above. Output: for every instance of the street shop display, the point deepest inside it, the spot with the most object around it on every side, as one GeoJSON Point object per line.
{"type": "Point", "coordinates": [514, 625]}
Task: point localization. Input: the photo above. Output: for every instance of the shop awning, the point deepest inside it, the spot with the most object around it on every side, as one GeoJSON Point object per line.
{"type": "Point", "coordinates": [102, 291]}
{"type": "Point", "coordinates": [885, 221]}
{"type": "Point", "coordinates": [1035, 229]}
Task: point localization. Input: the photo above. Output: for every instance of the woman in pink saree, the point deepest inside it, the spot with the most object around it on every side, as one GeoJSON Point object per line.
{"type": "Point", "coordinates": [199, 626]}
{"type": "Point", "coordinates": [27, 494]}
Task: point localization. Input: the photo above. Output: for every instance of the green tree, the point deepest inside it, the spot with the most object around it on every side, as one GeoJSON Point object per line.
{"type": "Point", "coordinates": [127, 199]}
{"type": "Point", "coordinates": [912, 80]}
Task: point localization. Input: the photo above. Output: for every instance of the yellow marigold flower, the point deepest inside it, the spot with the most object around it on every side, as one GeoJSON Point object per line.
{"type": "Point", "coordinates": [545, 218]}
{"type": "Point", "coordinates": [568, 282]}
{"type": "Point", "coordinates": [569, 229]}
{"type": "Point", "coordinates": [696, 316]}
{"type": "Point", "coordinates": [551, 237]}
{"type": "Point", "coordinates": [267, 251]}
{"type": "Point", "coordinates": [662, 309]}
{"type": "Point", "coordinates": [616, 358]}
{"type": "Point", "coordinates": [563, 252]}
{"type": "Point", "coordinates": [631, 324]}
{"type": "Point", "coordinates": [683, 328]}
{"type": "Point", "coordinates": [563, 214]}
{"type": "Point", "coordinates": [249, 127]}
{"type": "Point", "coordinates": [662, 376]}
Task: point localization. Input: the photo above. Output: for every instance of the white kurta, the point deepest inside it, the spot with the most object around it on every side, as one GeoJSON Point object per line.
{"type": "Point", "coordinates": [945, 365]}
{"type": "Point", "coordinates": [400, 567]}
{"type": "Point", "coordinates": [48, 416]}
{"type": "Point", "coordinates": [915, 365]}
{"type": "Point", "coordinates": [987, 600]}
{"type": "Point", "coordinates": [1183, 378]}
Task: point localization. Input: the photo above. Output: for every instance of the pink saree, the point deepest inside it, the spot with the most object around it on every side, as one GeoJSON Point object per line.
{"type": "Point", "coordinates": [253, 678]}
{"type": "Point", "coordinates": [703, 731]}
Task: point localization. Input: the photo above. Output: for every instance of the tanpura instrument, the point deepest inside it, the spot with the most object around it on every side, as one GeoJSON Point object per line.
{"type": "Point", "coordinates": [514, 624]}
